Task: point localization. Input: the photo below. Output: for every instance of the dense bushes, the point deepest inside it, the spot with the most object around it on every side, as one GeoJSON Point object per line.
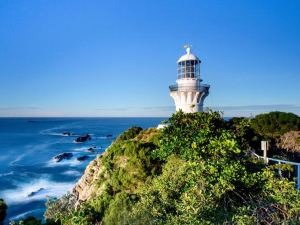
{"type": "Point", "coordinates": [195, 171]}
{"type": "Point", "coordinates": [128, 165]}
{"type": "Point", "coordinates": [207, 179]}
{"type": "Point", "coordinates": [130, 133]}
{"type": "Point", "coordinates": [274, 124]}
{"type": "Point", "coordinates": [3, 208]}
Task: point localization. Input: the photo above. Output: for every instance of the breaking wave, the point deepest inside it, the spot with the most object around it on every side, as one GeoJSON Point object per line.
{"type": "Point", "coordinates": [35, 190]}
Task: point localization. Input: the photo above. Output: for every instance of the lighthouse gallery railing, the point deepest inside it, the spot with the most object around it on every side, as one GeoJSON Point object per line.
{"type": "Point", "coordinates": [188, 87]}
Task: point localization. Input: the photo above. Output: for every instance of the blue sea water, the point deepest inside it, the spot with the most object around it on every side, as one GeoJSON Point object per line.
{"type": "Point", "coordinates": [27, 148]}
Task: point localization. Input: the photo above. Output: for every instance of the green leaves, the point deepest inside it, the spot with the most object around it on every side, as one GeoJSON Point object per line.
{"type": "Point", "coordinates": [274, 124]}
{"type": "Point", "coordinates": [195, 136]}
{"type": "Point", "coordinates": [195, 171]}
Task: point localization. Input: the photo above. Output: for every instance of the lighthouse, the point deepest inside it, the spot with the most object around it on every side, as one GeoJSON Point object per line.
{"type": "Point", "coordinates": [188, 92]}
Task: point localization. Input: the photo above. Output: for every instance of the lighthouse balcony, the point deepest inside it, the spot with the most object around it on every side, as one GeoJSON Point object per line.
{"type": "Point", "coordinates": [200, 87]}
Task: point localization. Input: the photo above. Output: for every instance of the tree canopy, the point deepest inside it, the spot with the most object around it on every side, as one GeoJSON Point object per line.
{"type": "Point", "coordinates": [274, 124]}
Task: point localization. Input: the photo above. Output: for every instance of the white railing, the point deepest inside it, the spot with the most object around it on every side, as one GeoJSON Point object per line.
{"type": "Point", "coordinates": [279, 161]}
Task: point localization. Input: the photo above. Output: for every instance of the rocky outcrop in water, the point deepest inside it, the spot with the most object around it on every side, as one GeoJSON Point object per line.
{"type": "Point", "coordinates": [35, 192]}
{"type": "Point", "coordinates": [84, 138]}
{"type": "Point", "coordinates": [91, 149]}
{"type": "Point", "coordinates": [82, 158]}
{"type": "Point", "coordinates": [67, 133]}
{"type": "Point", "coordinates": [62, 156]}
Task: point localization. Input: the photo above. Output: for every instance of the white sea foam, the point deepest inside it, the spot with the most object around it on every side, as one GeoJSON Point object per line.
{"type": "Point", "coordinates": [25, 214]}
{"type": "Point", "coordinates": [3, 157]}
{"type": "Point", "coordinates": [53, 129]}
{"type": "Point", "coordinates": [85, 149]}
{"type": "Point", "coordinates": [65, 162]}
{"type": "Point", "coordinates": [58, 131]}
{"type": "Point", "coordinates": [6, 174]}
{"type": "Point", "coordinates": [74, 173]}
{"type": "Point", "coordinates": [61, 134]}
{"type": "Point", "coordinates": [104, 137]}
{"type": "Point", "coordinates": [80, 149]}
{"type": "Point", "coordinates": [17, 159]}
{"type": "Point", "coordinates": [21, 193]}
{"type": "Point", "coordinates": [31, 149]}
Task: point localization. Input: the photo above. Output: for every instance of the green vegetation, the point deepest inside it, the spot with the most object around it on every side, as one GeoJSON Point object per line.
{"type": "Point", "coordinates": [130, 133]}
{"type": "Point", "coordinates": [274, 124]}
{"type": "Point", "coordinates": [279, 128]}
{"type": "Point", "coordinates": [198, 170]}
{"type": "Point", "coordinates": [3, 208]}
{"type": "Point", "coordinates": [195, 171]}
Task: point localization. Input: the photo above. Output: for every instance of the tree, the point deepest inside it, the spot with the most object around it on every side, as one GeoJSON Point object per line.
{"type": "Point", "coordinates": [274, 124]}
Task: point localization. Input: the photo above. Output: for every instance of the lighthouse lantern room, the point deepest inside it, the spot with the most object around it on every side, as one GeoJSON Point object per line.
{"type": "Point", "coordinates": [188, 92]}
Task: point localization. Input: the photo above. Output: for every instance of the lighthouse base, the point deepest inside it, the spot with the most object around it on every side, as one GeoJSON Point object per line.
{"type": "Point", "coordinates": [189, 101]}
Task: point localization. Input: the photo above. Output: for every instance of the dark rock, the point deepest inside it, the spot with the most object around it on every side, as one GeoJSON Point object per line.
{"type": "Point", "coordinates": [84, 138]}
{"type": "Point", "coordinates": [67, 133]}
{"type": "Point", "coordinates": [82, 158]}
{"type": "Point", "coordinates": [35, 192]}
{"type": "Point", "coordinates": [109, 135]}
{"type": "Point", "coordinates": [92, 149]}
{"type": "Point", "coordinates": [65, 155]}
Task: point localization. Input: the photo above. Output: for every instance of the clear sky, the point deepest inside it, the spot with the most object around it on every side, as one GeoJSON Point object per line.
{"type": "Point", "coordinates": [117, 58]}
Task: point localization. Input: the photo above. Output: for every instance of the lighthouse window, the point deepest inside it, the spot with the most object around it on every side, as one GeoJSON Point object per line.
{"type": "Point", "coordinates": [188, 69]}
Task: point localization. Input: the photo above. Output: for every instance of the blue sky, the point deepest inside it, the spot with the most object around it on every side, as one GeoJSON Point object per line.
{"type": "Point", "coordinates": [117, 58]}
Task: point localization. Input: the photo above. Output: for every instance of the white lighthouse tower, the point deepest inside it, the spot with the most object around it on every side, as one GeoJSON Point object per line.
{"type": "Point", "coordinates": [188, 92]}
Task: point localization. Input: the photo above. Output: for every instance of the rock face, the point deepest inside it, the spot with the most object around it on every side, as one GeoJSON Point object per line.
{"type": "Point", "coordinates": [84, 138]}
{"type": "Point", "coordinates": [86, 186]}
{"type": "Point", "coordinates": [97, 175]}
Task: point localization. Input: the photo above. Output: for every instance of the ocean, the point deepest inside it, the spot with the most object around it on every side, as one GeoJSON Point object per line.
{"type": "Point", "coordinates": [28, 170]}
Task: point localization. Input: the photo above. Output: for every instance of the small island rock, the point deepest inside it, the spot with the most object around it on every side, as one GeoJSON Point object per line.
{"type": "Point", "coordinates": [82, 158]}
{"type": "Point", "coordinates": [65, 155]}
{"type": "Point", "coordinates": [84, 138]}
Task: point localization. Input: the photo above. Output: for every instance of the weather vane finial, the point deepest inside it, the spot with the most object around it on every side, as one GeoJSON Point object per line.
{"type": "Point", "coordinates": [187, 48]}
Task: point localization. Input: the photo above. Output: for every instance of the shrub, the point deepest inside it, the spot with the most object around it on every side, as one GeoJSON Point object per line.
{"type": "Point", "coordinates": [274, 124]}
{"type": "Point", "coordinates": [130, 133]}
{"type": "Point", "coordinates": [3, 208]}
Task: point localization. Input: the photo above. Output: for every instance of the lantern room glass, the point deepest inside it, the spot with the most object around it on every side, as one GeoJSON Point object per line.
{"type": "Point", "coordinates": [189, 69]}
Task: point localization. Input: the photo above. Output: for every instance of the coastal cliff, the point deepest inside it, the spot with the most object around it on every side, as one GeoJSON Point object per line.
{"type": "Point", "coordinates": [86, 187]}
{"type": "Point", "coordinates": [197, 170]}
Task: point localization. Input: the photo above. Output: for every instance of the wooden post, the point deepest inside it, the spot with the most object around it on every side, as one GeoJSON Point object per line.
{"type": "Point", "coordinates": [279, 169]}
{"type": "Point", "coordinates": [298, 177]}
{"type": "Point", "coordinates": [265, 148]}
